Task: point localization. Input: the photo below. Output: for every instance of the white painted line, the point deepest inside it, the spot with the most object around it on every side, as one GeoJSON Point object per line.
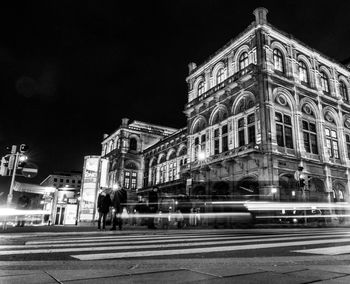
{"type": "Point", "coordinates": [124, 241]}
{"type": "Point", "coordinates": [327, 250]}
{"type": "Point", "coordinates": [116, 238]}
{"type": "Point", "coordinates": [153, 237]}
{"type": "Point", "coordinates": [132, 247]}
{"type": "Point", "coordinates": [134, 254]}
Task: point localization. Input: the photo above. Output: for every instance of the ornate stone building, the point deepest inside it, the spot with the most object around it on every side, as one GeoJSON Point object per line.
{"type": "Point", "coordinates": [259, 108]}
{"type": "Point", "coordinates": [124, 147]}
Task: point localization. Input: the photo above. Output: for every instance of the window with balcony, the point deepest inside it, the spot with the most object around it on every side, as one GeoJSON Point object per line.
{"type": "Point", "coordinates": [220, 76]}
{"type": "Point", "coordinates": [162, 173]}
{"type": "Point", "coordinates": [278, 60]}
{"type": "Point", "coordinates": [303, 73]}
{"type": "Point", "coordinates": [347, 141]}
{"type": "Point", "coordinates": [332, 143]}
{"type": "Point", "coordinates": [284, 133]}
{"type": "Point", "coordinates": [246, 130]}
{"type": "Point", "coordinates": [343, 90]}
{"type": "Point", "coordinates": [172, 171]}
{"type": "Point", "coordinates": [200, 89]}
{"type": "Point", "coordinates": [243, 61]}
{"type": "Point", "coordinates": [324, 82]}
{"type": "Point", "coordinates": [310, 137]}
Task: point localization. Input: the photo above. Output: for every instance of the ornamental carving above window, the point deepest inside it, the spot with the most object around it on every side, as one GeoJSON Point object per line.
{"type": "Point", "coordinates": [347, 122]}
{"type": "Point", "coordinates": [307, 109]}
{"type": "Point", "coordinates": [281, 99]}
{"type": "Point", "coordinates": [328, 116]}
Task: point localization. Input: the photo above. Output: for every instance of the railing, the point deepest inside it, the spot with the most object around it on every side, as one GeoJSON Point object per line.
{"type": "Point", "coordinates": [249, 69]}
{"type": "Point", "coordinates": [239, 151]}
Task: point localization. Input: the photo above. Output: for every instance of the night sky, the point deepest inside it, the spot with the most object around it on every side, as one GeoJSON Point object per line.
{"type": "Point", "coordinates": [70, 70]}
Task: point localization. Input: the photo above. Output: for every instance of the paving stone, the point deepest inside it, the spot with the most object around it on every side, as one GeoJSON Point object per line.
{"type": "Point", "coordinates": [64, 275]}
{"type": "Point", "coordinates": [226, 270]}
{"type": "Point", "coordinates": [340, 280]}
{"type": "Point", "coordinates": [334, 268]}
{"type": "Point", "coordinates": [314, 275]}
{"type": "Point", "coordinates": [38, 278]}
{"type": "Point", "coordinates": [178, 276]}
{"type": "Point", "coordinates": [257, 278]}
{"type": "Point", "coordinates": [18, 272]}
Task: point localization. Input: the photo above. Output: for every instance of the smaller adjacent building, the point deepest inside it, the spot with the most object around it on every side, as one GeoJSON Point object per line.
{"type": "Point", "coordinates": [63, 202]}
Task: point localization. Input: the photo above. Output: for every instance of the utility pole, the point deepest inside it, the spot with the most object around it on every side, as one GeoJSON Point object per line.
{"type": "Point", "coordinates": [10, 195]}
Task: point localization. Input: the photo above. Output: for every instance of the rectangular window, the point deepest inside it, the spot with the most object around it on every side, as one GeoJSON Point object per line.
{"type": "Point", "coordinates": [332, 143]}
{"type": "Point", "coordinates": [251, 128]}
{"type": "Point", "coordinates": [225, 143]}
{"type": "Point", "coordinates": [289, 137]}
{"type": "Point", "coordinates": [279, 135]}
{"type": "Point", "coordinates": [224, 138]}
{"type": "Point", "coordinates": [216, 146]}
{"type": "Point", "coordinates": [241, 132]}
{"type": "Point", "coordinates": [126, 179]}
{"type": "Point", "coordinates": [133, 180]}
{"type": "Point", "coordinates": [310, 137]}
{"type": "Point", "coordinates": [347, 140]}
{"type": "Point", "coordinates": [284, 133]}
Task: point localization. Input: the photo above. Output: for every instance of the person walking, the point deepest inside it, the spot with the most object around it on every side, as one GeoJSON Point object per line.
{"type": "Point", "coordinates": [103, 204]}
{"type": "Point", "coordinates": [119, 202]}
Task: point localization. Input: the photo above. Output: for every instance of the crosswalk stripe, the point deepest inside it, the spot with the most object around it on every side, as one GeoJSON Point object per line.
{"type": "Point", "coordinates": [103, 239]}
{"type": "Point", "coordinates": [182, 251]}
{"type": "Point", "coordinates": [151, 240]}
{"type": "Point", "coordinates": [327, 251]}
{"type": "Point", "coordinates": [123, 237]}
{"type": "Point", "coordinates": [159, 244]}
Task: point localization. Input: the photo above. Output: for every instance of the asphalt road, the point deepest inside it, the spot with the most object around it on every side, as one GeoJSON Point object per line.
{"type": "Point", "coordinates": [175, 244]}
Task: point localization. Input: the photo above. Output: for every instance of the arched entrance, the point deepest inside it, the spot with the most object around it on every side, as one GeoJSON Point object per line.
{"type": "Point", "coordinates": [247, 189]}
{"type": "Point", "coordinates": [288, 187]}
{"type": "Point", "coordinates": [317, 192]}
{"type": "Point", "coordinates": [220, 191]}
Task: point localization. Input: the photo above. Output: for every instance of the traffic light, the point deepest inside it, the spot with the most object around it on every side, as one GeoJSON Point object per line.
{"type": "Point", "coordinates": [4, 166]}
{"type": "Point", "coordinates": [302, 182]}
{"type": "Point", "coordinates": [23, 148]}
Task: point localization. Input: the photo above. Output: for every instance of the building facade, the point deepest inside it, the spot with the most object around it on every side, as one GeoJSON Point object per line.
{"type": "Point", "coordinates": [124, 148]}
{"type": "Point", "coordinates": [261, 108]}
{"type": "Point", "coordinates": [264, 111]}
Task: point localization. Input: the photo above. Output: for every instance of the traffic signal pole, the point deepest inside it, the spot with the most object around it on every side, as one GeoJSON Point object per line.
{"type": "Point", "coordinates": [10, 195]}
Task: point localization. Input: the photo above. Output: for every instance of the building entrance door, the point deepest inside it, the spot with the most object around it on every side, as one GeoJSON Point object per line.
{"type": "Point", "coordinates": [60, 215]}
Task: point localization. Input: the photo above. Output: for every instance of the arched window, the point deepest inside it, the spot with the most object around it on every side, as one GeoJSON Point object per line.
{"type": "Point", "coordinates": [324, 82]}
{"type": "Point", "coordinates": [278, 60]}
{"type": "Point", "coordinates": [303, 73]}
{"type": "Point", "coordinates": [343, 91]}
{"type": "Point", "coordinates": [220, 76]}
{"type": "Point", "coordinates": [200, 88]}
{"type": "Point", "coordinates": [243, 61]}
{"type": "Point", "coordinates": [133, 144]}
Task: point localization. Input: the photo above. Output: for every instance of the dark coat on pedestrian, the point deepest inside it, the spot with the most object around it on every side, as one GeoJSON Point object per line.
{"type": "Point", "coordinates": [119, 200]}
{"type": "Point", "coordinates": [103, 202]}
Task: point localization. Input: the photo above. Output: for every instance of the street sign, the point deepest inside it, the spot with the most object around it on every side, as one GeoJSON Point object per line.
{"type": "Point", "coordinates": [30, 170]}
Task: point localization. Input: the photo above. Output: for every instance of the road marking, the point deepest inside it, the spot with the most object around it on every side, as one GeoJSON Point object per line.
{"type": "Point", "coordinates": [179, 245]}
{"type": "Point", "coordinates": [176, 236]}
{"type": "Point", "coordinates": [327, 250]}
{"type": "Point", "coordinates": [152, 240]}
{"type": "Point", "coordinates": [133, 254]}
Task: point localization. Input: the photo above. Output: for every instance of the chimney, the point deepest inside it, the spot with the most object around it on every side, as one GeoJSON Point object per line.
{"type": "Point", "coordinates": [105, 136]}
{"type": "Point", "coordinates": [191, 67]}
{"type": "Point", "coordinates": [125, 122]}
{"type": "Point", "coordinates": [260, 15]}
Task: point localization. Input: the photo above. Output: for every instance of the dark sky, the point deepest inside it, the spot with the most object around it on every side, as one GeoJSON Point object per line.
{"type": "Point", "coordinates": [70, 70]}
